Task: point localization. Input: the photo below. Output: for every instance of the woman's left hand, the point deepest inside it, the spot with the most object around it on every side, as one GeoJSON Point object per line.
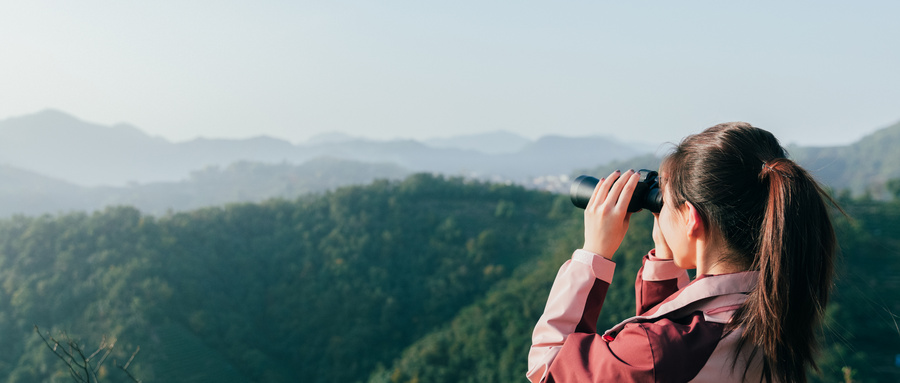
{"type": "Point", "coordinates": [662, 250]}
{"type": "Point", "coordinates": [606, 215]}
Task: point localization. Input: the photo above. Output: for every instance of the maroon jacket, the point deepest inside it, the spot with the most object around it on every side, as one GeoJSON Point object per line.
{"type": "Point", "coordinates": [678, 336]}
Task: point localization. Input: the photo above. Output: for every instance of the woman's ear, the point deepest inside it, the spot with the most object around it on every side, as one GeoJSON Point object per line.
{"type": "Point", "coordinates": [694, 224]}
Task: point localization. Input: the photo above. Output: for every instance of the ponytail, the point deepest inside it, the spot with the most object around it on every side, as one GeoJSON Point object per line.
{"type": "Point", "coordinates": [794, 259]}
{"type": "Point", "coordinates": [773, 217]}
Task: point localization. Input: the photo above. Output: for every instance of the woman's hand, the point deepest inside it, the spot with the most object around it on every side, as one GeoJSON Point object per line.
{"type": "Point", "coordinates": [606, 215]}
{"type": "Point", "coordinates": [662, 248]}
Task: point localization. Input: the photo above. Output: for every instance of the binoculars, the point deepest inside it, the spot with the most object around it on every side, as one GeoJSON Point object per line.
{"type": "Point", "coordinates": [646, 193]}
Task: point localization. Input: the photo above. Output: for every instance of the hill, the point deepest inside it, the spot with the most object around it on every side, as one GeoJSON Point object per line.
{"type": "Point", "coordinates": [325, 287]}
{"type": "Point", "coordinates": [428, 279]}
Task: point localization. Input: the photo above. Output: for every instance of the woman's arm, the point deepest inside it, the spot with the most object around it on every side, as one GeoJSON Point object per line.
{"type": "Point", "coordinates": [657, 279]}
{"type": "Point", "coordinates": [573, 306]}
{"type": "Point", "coordinates": [565, 345]}
{"type": "Point", "coordinates": [580, 287]}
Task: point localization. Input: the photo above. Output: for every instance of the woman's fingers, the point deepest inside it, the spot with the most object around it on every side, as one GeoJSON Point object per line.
{"type": "Point", "coordinates": [618, 193]}
{"type": "Point", "coordinates": [601, 192]}
{"type": "Point", "coordinates": [626, 189]}
{"type": "Point", "coordinates": [606, 217]}
{"type": "Point", "coordinates": [596, 198]}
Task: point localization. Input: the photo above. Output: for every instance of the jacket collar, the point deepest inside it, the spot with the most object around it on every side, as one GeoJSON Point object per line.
{"type": "Point", "coordinates": [706, 293]}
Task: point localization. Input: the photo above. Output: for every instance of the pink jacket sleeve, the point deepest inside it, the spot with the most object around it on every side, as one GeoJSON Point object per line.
{"type": "Point", "coordinates": [573, 306]}
{"type": "Point", "coordinates": [657, 280]}
{"type": "Point", "coordinates": [567, 329]}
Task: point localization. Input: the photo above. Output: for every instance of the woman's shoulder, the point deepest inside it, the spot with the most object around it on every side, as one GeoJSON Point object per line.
{"type": "Point", "coordinates": [679, 347]}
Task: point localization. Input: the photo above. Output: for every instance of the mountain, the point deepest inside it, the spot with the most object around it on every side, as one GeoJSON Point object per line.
{"type": "Point", "coordinates": [60, 146]}
{"type": "Point", "coordinates": [548, 155]}
{"type": "Point", "coordinates": [499, 142]}
{"type": "Point", "coordinates": [330, 138]}
{"type": "Point", "coordinates": [646, 161]}
{"type": "Point", "coordinates": [24, 192]}
{"type": "Point", "coordinates": [561, 155]}
{"type": "Point", "coordinates": [860, 168]}
{"type": "Point", "coordinates": [864, 166]}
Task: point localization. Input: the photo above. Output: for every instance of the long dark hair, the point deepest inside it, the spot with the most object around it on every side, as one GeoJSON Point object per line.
{"type": "Point", "coordinates": [773, 218]}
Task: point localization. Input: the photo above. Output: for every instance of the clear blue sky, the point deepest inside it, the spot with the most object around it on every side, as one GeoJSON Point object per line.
{"type": "Point", "coordinates": [813, 72]}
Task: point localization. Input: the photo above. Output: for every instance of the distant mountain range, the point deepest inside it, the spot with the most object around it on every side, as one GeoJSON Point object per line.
{"type": "Point", "coordinates": [499, 142]}
{"type": "Point", "coordinates": [23, 192]}
{"type": "Point", "coordinates": [861, 168]}
{"type": "Point", "coordinates": [52, 162]}
{"type": "Point", "coordinates": [57, 145]}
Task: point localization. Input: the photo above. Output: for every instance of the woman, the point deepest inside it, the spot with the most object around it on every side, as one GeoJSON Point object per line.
{"type": "Point", "coordinates": [755, 227]}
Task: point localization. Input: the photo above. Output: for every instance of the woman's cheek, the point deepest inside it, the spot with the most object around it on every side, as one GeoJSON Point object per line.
{"type": "Point", "coordinates": [676, 239]}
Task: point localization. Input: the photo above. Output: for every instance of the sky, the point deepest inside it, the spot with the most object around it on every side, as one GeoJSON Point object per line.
{"type": "Point", "coordinates": [812, 72]}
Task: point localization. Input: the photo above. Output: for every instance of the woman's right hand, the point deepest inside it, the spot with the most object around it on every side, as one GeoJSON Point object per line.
{"type": "Point", "coordinates": [606, 215]}
{"type": "Point", "coordinates": [662, 248]}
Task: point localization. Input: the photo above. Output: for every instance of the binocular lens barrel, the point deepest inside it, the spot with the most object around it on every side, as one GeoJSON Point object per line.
{"type": "Point", "coordinates": [646, 193]}
{"type": "Point", "coordinates": [582, 189]}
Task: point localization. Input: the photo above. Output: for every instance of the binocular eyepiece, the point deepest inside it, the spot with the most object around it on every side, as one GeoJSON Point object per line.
{"type": "Point", "coordinates": [646, 193]}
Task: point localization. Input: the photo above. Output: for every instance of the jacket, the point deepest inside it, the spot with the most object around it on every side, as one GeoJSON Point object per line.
{"type": "Point", "coordinates": [678, 335]}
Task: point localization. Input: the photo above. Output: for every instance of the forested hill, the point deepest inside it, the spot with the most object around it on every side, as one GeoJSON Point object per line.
{"type": "Point", "coordinates": [322, 289]}
{"type": "Point", "coordinates": [424, 280]}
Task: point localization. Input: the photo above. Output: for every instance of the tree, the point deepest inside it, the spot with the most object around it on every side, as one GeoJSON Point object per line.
{"type": "Point", "coordinates": [893, 187]}
{"type": "Point", "coordinates": [82, 367]}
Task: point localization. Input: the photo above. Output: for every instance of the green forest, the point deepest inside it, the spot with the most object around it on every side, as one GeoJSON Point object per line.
{"type": "Point", "coordinates": [428, 279]}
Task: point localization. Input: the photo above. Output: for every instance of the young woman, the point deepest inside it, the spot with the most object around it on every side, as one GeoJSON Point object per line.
{"type": "Point", "coordinates": [755, 227]}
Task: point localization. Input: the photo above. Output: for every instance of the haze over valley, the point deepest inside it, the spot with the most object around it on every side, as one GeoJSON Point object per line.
{"type": "Point", "coordinates": [53, 162]}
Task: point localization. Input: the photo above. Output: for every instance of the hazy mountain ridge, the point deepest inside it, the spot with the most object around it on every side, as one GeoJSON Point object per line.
{"type": "Point", "coordinates": [498, 142]}
{"type": "Point", "coordinates": [24, 192]}
{"type": "Point", "coordinates": [58, 145]}
{"type": "Point", "coordinates": [861, 167]}
{"type": "Point", "coordinates": [42, 155]}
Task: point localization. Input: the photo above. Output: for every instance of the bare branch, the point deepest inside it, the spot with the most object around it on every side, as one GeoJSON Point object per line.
{"type": "Point", "coordinates": [80, 367]}
{"type": "Point", "coordinates": [86, 367]}
{"type": "Point", "coordinates": [95, 352]}
{"type": "Point", "coordinates": [128, 363]}
{"type": "Point", "coordinates": [132, 357]}
{"type": "Point", "coordinates": [103, 359]}
{"type": "Point", "coordinates": [54, 348]}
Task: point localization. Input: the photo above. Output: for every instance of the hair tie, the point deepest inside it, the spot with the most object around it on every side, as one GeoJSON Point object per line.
{"type": "Point", "coordinates": [765, 165]}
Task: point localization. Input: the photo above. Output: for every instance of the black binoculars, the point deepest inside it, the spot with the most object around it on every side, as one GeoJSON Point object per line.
{"type": "Point", "coordinates": [646, 193]}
